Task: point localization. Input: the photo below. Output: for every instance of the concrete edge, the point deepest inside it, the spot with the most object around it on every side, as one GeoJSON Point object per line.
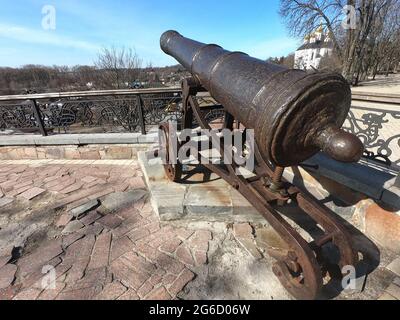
{"type": "Point", "coordinates": [374, 183]}
{"type": "Point", "coordinates": [78, 139]}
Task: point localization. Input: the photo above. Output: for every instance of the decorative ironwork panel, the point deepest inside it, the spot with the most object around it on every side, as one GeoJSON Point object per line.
{"type": "Point", "coordinates": [161, 107]}
{"type": "Point", "coordinates": [18, 116]}
{"type": "Point", "coordinates": [95, 114]}
{"type": "Point", "coordinates": [379, 130]}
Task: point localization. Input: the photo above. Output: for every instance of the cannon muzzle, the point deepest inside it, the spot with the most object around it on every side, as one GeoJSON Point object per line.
{"type": "Point", "coordinates": [294, 114]}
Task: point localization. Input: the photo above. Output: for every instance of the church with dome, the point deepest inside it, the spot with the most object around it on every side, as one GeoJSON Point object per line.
{"type": "Point", "coordinates": [315, 46]}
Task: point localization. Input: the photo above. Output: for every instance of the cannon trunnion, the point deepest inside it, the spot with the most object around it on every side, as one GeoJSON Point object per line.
{"type": "Point", "coordinates": [294, 115]}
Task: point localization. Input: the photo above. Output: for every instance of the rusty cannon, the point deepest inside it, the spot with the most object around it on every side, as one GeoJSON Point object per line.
{"type": "Point", "coordinates": [294, 115]}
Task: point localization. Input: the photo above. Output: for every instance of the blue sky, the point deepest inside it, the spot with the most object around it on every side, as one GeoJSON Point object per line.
{"type": "Point", "coordinates": [83, 27]}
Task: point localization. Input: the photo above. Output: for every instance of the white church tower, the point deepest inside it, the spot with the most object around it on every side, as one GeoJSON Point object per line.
{"type": "Point", "coordinates": [316, 45]}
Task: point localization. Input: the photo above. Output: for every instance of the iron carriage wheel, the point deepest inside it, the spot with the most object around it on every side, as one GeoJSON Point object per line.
{"type": "Point", "coordinates": [172, 170]}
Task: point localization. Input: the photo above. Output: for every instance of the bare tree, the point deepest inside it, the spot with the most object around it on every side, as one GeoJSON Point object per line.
{"type": "Point", "coordinates": [287, 61]}
{"type": "Point", "coordinates": [352, 45]}
{"type": "Point", "coordinates": [118, 66]}
{"type": "Point", "coordinates": [304, 16]}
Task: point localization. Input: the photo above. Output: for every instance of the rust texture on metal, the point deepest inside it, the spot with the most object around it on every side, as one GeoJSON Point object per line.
{"type": "Point", "coordinates": [294, 114]}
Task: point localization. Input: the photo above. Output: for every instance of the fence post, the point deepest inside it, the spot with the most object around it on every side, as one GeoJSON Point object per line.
{"type": "Point", "coordinates": [141, 114]}
{"type": "Point", "coordinates": [38, 118]}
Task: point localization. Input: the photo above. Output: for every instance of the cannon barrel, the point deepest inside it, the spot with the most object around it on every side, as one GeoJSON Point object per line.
{"type": "Point", "coordinates": [294, 114]}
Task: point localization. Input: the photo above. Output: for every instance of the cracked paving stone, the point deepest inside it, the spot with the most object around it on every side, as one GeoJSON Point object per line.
{"type": "Point", "coordinates": [110, 221]}
{"type": "Point", "coordinates": [119, 247]}
{"type": "Point", "coordinates": [112, 291]}
{"type": "Point", "coordinates": [89, 218]}
{"type": "Point", "coordinates": [72, 227]}
{"type": "Point", "coordinates": [79, 294]}
{"type": "Point", "coordinates": [32, 193]}
{"type": "Point", "coordinates": [63, 220]}
{"type": "Point", "coordinates": [180, 282]}
{"type": "Point", "coordinates": [34, 279]}
{"type": "Point", "coordinates": [159, 293]}
{"type": "Point", "coordinates": [124, 271]}
{"type": "Point", "coordinates": [28, 294]}
{"type": "Point", "coordinates": [171, 245]}
{"type": "Point", "coordinates": [40, 257]}
{"type": "Point", "coordinates": [101, 252]}
{"type": "Point", "coordinates": [52, 293]}
{"type": "Point", "coordinates": [6, 255]}
{"type": "Point", "coordinates": [183, 254]}
{"type": "Point", "coordinates": [81, 249]}
{"type": "Point", "coordinates": [119, 200]}
{"type": "Point", "coordinates": [129, 295]}
{"type": "Point", "coordinates": [71, 238]}
{"type": "Point", "coordinates": [9, 292]}
{"type": "Point", "coordinates": [94, 230]}
{"type": "Point", "coordinates": [78, 211]}
{"type": "Point", "coordinates": [7, 275]}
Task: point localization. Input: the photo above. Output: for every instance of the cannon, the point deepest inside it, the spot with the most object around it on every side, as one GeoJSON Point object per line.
{"type": "Point", "coordinates": [294, 115]}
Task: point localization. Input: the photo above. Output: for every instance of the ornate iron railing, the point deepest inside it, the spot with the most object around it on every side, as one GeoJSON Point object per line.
{"type": "Point", "coordinates": [98, 111]}
{"type": "Point", "coordinates": [379, 130]}
{"type": "Point", "coordinates": [92, 111]}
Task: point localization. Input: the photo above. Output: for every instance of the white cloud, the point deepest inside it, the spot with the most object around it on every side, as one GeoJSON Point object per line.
{"type": "Point", "coordinates": [51, 38]}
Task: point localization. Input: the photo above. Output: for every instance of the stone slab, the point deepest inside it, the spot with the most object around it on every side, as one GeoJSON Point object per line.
{"type": "Point", "coordinates": [32, 193]}
{"type": "Point", "coordinates": [394, 291]}
{"type": "Point", "coordinates": [57, 139]}
{"type": "Point", "coordinates": [214, 200]}
{"type": "Point", "coordinates": [76, 212]}
{"type": "Point", "coordinates": [151, 137]}
{"type": "Point", "coordinates": [208, 199]}
{"type": "Point", "coordinates": [356, 176]}
{"type": "Point", "coordinates": [109, 138]}
{"type": "Point", "coordinates": [167, 199]}
{"type": "Point", "coordinates": [7, 274]}
{"type": "Point", "coordinates": [394, 266]}
{"type": "Point", "coordinates": [76, 139]}
{"type": "Point", "coordinates": [118, 200]}
{"type": "Point", "coordinates": [5, 201]}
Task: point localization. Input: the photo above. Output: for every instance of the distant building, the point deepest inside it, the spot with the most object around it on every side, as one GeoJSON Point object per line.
{"type": "Point", "coordinates": [316, 45]}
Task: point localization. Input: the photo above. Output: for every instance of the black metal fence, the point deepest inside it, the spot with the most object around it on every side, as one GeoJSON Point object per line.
{"type": "Point", "coordinates": [90, 112]}
{"type": "Point", "coordinates": [379, 130]}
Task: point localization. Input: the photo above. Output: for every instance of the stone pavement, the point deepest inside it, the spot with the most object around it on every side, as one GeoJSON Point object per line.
{"type": "Point", "coordinates": [85, 229]}
{"type": "Point", "coordinates": [381, 84]}
{"type": "Point", "coordinates": [392, 292]}
{"type": "Point", "coordinates": [96, 253]}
